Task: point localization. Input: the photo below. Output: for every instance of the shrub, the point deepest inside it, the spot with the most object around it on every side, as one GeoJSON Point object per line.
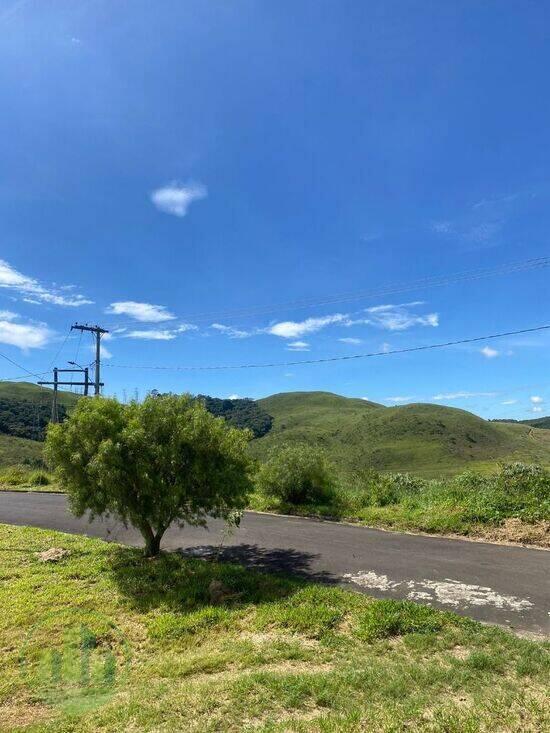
{"type": "Point", "coordinates": [371, 488]}
{"type": "Point", "coordinates": [39, 478]}
{"type": "Point", "coordinates": [297, 474]}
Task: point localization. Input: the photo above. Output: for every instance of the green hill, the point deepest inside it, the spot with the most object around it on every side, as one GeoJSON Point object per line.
{"type": "Point", "coordinates": [37, 394]}
{"type": "Point", "coordinates": [538, 422]}
{"type": "Point", "coordinates": [34, 402]}
{"type": "Point", "coordinates": [421, 438]}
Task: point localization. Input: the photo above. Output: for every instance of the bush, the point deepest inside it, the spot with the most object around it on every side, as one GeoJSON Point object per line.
{"type": "Point", "coordinates": [371, 488]}
{"type": "Point", "coordinates": [297, 474]}
{"type": "Point", "coordinates": [39, 478]}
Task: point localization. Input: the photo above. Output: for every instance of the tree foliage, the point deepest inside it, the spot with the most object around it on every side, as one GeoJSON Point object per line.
{"type": "Point", "coordinates": [152, 463]}
{"type": "Point", "coordinates": [240, 413]}
{"type": "Point", "coordinates": [26, 419]}
{"type": "Point", "coordinates": [298, 474]}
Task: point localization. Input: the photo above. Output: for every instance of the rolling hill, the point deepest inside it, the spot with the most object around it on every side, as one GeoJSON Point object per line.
{"type": "Point", "coordinates": [426, 439]}
{"type": "Point", "coordinates": [34, 393]}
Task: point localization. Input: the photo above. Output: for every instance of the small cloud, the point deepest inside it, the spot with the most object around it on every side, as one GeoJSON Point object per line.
{"type": "Point", "coordinates": [385, 348]}
{"type": "Point", "coordinates": [397, 317]}
{"type": "Point", "coordinates": [352, 341]}
{"type": "Point", "coordinates": [537, 409]}
{"type": "Point", "coordinates": [288, 374]}
{"type": "Point", "coordinates": [145, 312]}
{"type": "Point", "coordinates": [462, 395]}
{"type": "Point", "coordinates": [298, 346]}
{"type": "Point", "coordinates": [233, 333]}
{"type": "Point", "coordinates": [152, 334]}
{"type": "Point", "coordinates": [536, 400]}
{"type": "Point", "coordinates": [177, 198]}
{"type": "Point", "coordinates": [509, 402]}
{"type": "Point", "coordinates": [76, 41]}
{"type": "Point", "coordinates": [488, 352]}
{"type": "Point", "coordinates": [234, 397]}
{"type": "Point", "coordinates": [295, 329]}
{"type": "Point", "coordinates": [397, 400]}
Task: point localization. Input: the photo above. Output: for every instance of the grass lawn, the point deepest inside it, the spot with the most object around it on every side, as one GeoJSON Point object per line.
{"type": "Point", "coordinates": [105, 640]}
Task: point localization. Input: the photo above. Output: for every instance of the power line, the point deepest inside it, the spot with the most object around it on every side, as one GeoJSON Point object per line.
{"type": "Point", "coordinates": [23, 369]}
{"type": "Point", "coordinates": [392, 289]}
{"type": "Point", "coordinates": [337, 358]}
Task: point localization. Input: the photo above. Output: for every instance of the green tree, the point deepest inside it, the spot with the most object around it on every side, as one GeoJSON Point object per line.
{"type": "Point", "coordinates": [151, 464]}
{"type": "Point", "coordinates": [298, 474]}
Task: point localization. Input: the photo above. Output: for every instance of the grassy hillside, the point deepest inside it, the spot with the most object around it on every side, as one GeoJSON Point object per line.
{"type": "Point", "coordinates": [16, 450]}
{"type": "Point", "coordinates": [35, 393]}
{"type": "Point", "coordinates": [538, 422]}
{"type": "Point", "coordinates": [421, 438]}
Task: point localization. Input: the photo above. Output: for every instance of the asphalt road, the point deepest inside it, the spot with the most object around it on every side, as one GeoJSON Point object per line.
{"type": "Point", "coordinates": [498, 584]}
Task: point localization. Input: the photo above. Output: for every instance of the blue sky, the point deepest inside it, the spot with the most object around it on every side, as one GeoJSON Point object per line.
{"type": "Point", "coordinates": [179, 172]}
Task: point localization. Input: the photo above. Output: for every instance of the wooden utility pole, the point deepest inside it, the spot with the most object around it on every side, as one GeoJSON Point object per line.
{"type": "Point", "coordinates": [98, 333]}
{"type": "Point", "coordinates": [56, 384]}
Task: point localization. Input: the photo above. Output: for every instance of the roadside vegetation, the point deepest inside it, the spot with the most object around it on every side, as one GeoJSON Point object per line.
{"type": "Point", "coordinates": [512, 503]}
{"type": "Point", "coordinates": [159, 650]}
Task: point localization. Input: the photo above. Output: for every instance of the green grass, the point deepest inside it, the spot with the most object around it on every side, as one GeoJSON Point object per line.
{"type": "Point", "coordinates": [14, 450]}
{"type": "Point", "coordinates": [35, 393]}
{"type": "Point", "coordinates": [428, 440]}
{"type": "Point", "coordinates": [105, 640]}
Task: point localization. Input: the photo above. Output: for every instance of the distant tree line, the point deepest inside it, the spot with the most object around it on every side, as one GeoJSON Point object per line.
{"type": "Point", "coordinates": [25, 419]}
{"type": "Point", "coordinates": [536, 422]}
{"type": "Point", "coordinates": [239, 413]}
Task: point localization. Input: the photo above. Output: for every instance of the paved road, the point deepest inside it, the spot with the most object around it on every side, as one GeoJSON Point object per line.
{"type": "Point", "coordinates": [497, 584]}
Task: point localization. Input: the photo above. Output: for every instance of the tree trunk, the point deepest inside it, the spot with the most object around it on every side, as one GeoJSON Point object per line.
{"type": "Point", "coordinates": [152, 540]}
{"type": "Point", "coordinates": [152, 545]}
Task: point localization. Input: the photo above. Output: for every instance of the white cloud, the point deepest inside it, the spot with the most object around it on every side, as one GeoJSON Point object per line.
{"type": "Point", "coordinates": [537, 409]}
{"type": "Point", "coordinates": [396, 317]}
{"type": "Point", "coordinates": [462, 395]}
{"type": "Point", "coordinates": [488, 352]}
{"type": "Point", "coordinates": [397, 400]}
{"type": "Point", "coordinates": [157, 334]}
{"type": "Point", "coordinates": [509, 402]}
{"type": "Point", "coordinates": [536, 400]}
{"type": "Point", "coordinates": [105, 353]}
{"type": "Point", "coordinates": [385, 348]}
{"type": "Point", "coordinates": [295, 329]}
{"type": "Point", "coordinates": [152, 334]}
{"type": "Point", "coordinates": [23, 335]}
{"type": "Point", "coordinates": [298, 346]}
{"type": "Point", "coordinates": [32, 291]}
{"type": "Point", "coordinates": [352, 341]}
{"type": "Point", "coordinates": [234, 397]}
{"type": "Point", "coordinates": [233, 333]}
{"type": "Point", "coordinates": [145, 312]}
{"type": "Point", "coordinates": [176, 198]}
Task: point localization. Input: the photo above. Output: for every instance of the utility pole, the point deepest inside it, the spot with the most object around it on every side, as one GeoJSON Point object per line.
{"type": "Point", "coordinates": [55, 416]}
{"type": "Point", "coordinates": [98, 333]}
{"type": "Point", "coordinates": [56, 384]}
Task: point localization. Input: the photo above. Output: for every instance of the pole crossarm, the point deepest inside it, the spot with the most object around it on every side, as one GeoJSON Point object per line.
{"type": "Point", "coordinates": [98, 332]}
